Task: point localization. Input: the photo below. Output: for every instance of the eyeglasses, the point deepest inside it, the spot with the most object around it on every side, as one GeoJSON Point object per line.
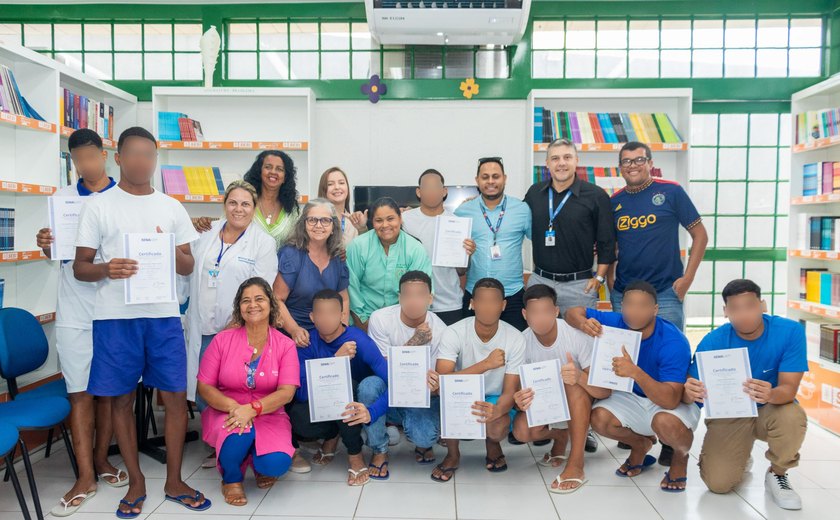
{"type": "Point", "coordinates": [314, 221]}
{"type": "Point", "coordinates": [638, 161]}
{"type": "Point", "coordinates": [490, 159]}
{"type": "Point", "coordinates": [249, 376]}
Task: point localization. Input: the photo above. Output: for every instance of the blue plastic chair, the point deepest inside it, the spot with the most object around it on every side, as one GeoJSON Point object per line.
{"type": "Point", "coordinates": [9, 438]}
{"type": "Point", "coordinates": [24, 348]}
{"type": "Point", "coordinates": [57, 388]}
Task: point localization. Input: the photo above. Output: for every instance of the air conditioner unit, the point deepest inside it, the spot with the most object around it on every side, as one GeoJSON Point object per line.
{"type": "Point", "coordinates": [447, 22]}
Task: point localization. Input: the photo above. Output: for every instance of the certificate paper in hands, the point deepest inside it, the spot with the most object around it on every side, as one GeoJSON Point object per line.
{"type": "Point", "coordinates": [457, 396]}
{"type": "Point", "coordinates": [155, 278]}
{"type": "Point", "coordinates": [407, 368]}
{"type": "Point", "coordinates": [450, 233]}
{"type": "Point", "coordinates": [724, 373]}
{"type": "Point", "coordinates": [64, 222]}
{"type": "Point", "coordinates": [550, 404]}
{"type": "Point", "coordinates": [608, 346]}
{"type": "Point", "coordinates": [329, 388]}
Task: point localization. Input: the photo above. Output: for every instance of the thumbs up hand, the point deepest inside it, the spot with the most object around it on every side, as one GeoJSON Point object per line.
{"type": "Point", "coordinates": [570, 372]}
{"type": "Point", "coordinates": [623, 365]}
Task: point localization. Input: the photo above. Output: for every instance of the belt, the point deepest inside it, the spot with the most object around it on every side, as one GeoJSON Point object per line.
{"type": "Point", "coordinates": [571, 277]}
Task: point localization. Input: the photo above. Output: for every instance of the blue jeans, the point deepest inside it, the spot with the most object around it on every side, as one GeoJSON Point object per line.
{"type": "Point", "coordinates": [422, 425]}
{"type": "Point", "coordinates": [670, 307]}
{"type": "Point", "coordinates": [200, 403]}
{"type": "Point", "coordinates": [236, 449]}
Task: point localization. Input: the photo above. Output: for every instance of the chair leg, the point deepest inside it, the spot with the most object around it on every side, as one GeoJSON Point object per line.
{"type": "Point", "coordinates": [30, 476]}
{"type": "Point", "coordinates": [70, 451]}
{"type": "Point", "coordinates": [150, 392]}
{"type": "Point", "coordinates": [7, 474]}
{"type": "Point", "coordinates": [50, 434]}
{"type": "Point", "coordinates": [16, 484]}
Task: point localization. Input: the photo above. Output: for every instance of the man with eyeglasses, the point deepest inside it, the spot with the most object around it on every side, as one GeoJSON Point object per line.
{"type": "Point", "coordinates": [570, 216]}
{"type": "Point", "coordinates": [500, 224]}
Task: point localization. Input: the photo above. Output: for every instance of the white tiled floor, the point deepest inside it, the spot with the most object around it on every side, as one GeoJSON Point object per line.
{"type": "Point", "coordinates": [519, 493]}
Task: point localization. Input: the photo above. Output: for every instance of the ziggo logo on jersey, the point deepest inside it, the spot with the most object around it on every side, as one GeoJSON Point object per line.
{"type": "Point", "coordinates": [625, 223]}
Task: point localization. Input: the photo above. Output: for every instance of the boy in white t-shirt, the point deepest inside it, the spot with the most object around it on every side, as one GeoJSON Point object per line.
{"type": "Point", "coordinates": [140, 340]}
{"type": "Point", "coordinates": [548, 337]}
{"type": "Point", "coordinates": [410, 323]}
{"type": "Point", "coordinates": [484, 344]}
{"type": "Point", "coordinates": [73, 340]}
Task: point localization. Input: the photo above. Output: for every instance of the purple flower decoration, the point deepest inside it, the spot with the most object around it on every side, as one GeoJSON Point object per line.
{"type": "Point", "coordinates": [374, 88]}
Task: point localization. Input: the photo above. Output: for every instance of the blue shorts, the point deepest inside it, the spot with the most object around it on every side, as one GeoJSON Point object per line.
{"type": "Point", "coordinates": [126, 350]}
{"type": "Point", "coordinates": [494, 399]}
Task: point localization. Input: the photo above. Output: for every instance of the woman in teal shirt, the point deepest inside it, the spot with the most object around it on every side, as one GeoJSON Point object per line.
{"type": "Point", "coordinates": [377, 261]}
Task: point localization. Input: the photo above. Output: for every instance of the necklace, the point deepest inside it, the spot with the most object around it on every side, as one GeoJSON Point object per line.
{"type": "Point", "coordinates": [268, 216]}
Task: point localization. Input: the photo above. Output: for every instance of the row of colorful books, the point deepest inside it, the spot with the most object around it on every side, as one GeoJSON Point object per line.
{"type": "Point", "coordinates": [819, 285]}
{"type": "Point", "coordinates": [817, 124]}
{"type": "Point", "coordinates": [177, 126]}
{"type": "Point", "coordinates": [7, 229]}
{"type": "Point", "coordinates": [603, 127]}
{"type": "Point", "coordinates": [77, 111]}
{"type": "Point", "coordinates": [823, 233]}
{"type": "Point", "coordinates": [820, 178]}
{"type": "Point", "coordinates": [192, 180]}
{"type": "Point", "coordinates": [11, 100]}
{"type": "Point", "coordinates": [823, 338]}
{"type": "Point", "coordinates": [587, 173]}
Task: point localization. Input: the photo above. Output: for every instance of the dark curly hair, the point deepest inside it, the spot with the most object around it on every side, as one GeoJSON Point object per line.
{"type": "Point", "coordinates": [236, 319]}
{"type": "Point", "coordinates": [287, 196]}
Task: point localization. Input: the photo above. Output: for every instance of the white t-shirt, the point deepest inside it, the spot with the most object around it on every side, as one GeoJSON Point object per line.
{"type": "Point", "coordinates": [387, 329]}
{"type": "Point", "coordinates": [445, 280]}
{"type": "Point", "coordinates": [461, 344]}
{"type": "Point", "coordinates": [74, 305]}
{"type": "Point", "coordinates": [569, 339]}
{"type": "Point", "coordinates": [104, 220]}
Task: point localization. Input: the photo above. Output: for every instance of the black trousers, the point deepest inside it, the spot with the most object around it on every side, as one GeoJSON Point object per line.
{"type": "Point", "coordinates": [450, 317]}
{"type": "Point", "coordinates": [512, 314]}
{"type": "Point", "coordinates": [303, 427]}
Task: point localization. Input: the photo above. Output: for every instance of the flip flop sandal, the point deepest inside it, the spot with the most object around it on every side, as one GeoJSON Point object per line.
{"type": "Point", "coordinates": [382, 467]}
{"type": "Point", "coordinates": [444, 471]}
{"type": "Point", "coordinates": [209, 462]}
{"type": "Point", "coordinates": [355, 474]}
{"type": "Point", "coordinates": [673, 481]}
{"type": "Point", "coordinates": [649, 461]}
{"type": "Point", "coordinates": [264, 481]}
{"type": "Point", "coordinates": [103, 477]}
{"type": "Point", "coordinates": [547, 463]}
{"type": "Point", "coordinates": [560, 481]}
{"type": "Point", "coordinates": [422, 454]}
{"type": "Point", "coordinates": [131, 505]}
{"type": "Point", "coordinates": [493, 462]}
{"type": "Point", "coordinates": [234, 494]}
{"type": "Point", "coordinates": [66, 507]}
{"type": "Point", "coordinates": [323, 455]}
{"type": "Point", "coordinates": [204, 506]}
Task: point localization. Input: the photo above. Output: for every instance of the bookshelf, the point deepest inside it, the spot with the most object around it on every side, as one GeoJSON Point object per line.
{"type": "Point", "coordinates": [238, 124]}
{"type": "Point", "coordinates": [29, 155]}
{"type": "Point", "coordinates": [819, 390]}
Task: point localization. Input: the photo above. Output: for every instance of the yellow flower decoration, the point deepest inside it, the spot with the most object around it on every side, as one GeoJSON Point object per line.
{"type": "Point", "coordinates": [469, 88]}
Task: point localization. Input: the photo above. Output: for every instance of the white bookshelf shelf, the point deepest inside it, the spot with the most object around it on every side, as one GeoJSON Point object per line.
{"type": "Point", "coordinates": [246, 146]}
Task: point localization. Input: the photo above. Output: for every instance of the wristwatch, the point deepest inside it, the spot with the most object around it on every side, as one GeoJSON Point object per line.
{"type": "Point", "coordinates": [599, 278]}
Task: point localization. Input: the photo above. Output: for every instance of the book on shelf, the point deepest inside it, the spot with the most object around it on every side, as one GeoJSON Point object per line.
{"type": "Point", "coordinates": [603, 127]}
{"type": "Point", "coordinates": [819, 285]}
{"type": "Point", "coordinates": [192, 180]}
{"type": "Point", "coordinates": [829, 336]}
{"type": "Point", "coordinates": [7, 229]}
{"type": "Point", "coordinates": [176, 126]}
{"type": "Point", "coordinates": [77, 111]}
{"type": "Point", "coordinates": [11, 100]}
{"type": "Point", "coordinates": [590, 174]}
{"type": "Point", "coordinates": [2, 291]}
{"type": "Point", "coordinates": [68, 175]}
{"type": "Point", "coordinates": [818, 233]}
{"type": "Point", "coordinates": [817, 124]}
{"type": "Point", "coordinates": [821, 178]}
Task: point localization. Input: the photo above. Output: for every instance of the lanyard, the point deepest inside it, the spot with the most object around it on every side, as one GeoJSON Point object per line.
{"type": "Point", "coordinates": [342, 223]}
{"type": "Point", "coordinates": [222, 248]}
{"type": "Point", "coordinates": [498, 222]}
{"type": "Point", "coordinates": [552, 213]}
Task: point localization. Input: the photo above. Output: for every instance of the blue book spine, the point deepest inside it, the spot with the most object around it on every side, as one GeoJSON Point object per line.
{"type": "Point", "coordinates": [810, 179]}
{"type": "Point", "coordinates": [607, 128]}
{"type": "Point", "coordinates": [628, 127]}
{"type": "Point", "coordinates": [825, 288]}
{"type": "Point", "coordinates": [538, 124]}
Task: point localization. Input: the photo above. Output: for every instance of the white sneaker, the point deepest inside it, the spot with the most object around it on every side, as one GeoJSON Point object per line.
{"type": "Point", "coordinates": [393, 435]}
{"type": "Point", "coordinates": [783, 494]}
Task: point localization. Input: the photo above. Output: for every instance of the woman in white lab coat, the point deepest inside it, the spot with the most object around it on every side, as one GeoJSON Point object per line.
{"type": "Point", "coordinates": [233, 250]}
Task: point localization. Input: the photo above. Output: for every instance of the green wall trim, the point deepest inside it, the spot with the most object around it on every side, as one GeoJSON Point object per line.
{"type": "Point", "coordinates": [747, 254]}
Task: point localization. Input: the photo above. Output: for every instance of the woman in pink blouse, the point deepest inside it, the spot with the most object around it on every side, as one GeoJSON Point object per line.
{"type": "Point", "coordinates": [248, 374]}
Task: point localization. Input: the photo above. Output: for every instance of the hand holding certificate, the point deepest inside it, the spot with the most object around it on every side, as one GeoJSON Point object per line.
{"type": "Point", "coordinates": [64, 222]}
{"type": "Point", "coordinates": [549, 404]}
{"type": "Point", "coordinates": [613, 343]}
{"type": "Point", "coordinates": [155, 278]}
{"type": "Point", "coordinates": [450, 233]}
{"type": "Point", "coordinates": [723, 373]}
{"type": "Point", "coordinates": [407, 375]}
{"type": "Point", "coordinates": [329, 388]}
{"type": "Point", "coordinates": [457, 396]}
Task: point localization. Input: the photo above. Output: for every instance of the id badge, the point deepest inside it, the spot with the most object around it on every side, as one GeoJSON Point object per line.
{"type": "Point", "coordinates": [213, 281]}
{"type": "Point", "coordinates": [549, 238]}
{"type": "Point", "coordinates": [496, 252]}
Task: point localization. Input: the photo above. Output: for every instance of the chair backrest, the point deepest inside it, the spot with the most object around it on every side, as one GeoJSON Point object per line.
{"type": "Point", "coordinates": [23, 344]}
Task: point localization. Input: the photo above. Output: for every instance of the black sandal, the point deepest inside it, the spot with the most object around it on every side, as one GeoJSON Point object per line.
{"type": "Point", "coordinates": [493, 462]}
{"type": "Point", "coordinates": [422, 455]}
{"type": "Point", "coordinates": [444, 472]}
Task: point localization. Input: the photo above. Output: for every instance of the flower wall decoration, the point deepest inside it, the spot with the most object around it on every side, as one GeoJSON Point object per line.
{"type": "Point", "coordinates": [469, 88]}
{"type": "Point", "coordinates": [374, 88]}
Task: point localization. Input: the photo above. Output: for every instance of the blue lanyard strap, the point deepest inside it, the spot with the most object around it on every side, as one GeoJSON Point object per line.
{"type": "Point", "coordinates": [552, 213]}
{"type": "Point", "coordinates": [494, 230]}
{"type": "Point", "coordinates": [222, 248]}
{"type": "Point", "coordinates": [342, 223]}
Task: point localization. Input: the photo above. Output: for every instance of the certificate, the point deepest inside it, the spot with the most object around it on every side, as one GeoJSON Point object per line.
{"type": "Point", "coordinates": [550, 404]}
{"type": "Point", "coordinates": [329, 388]}
{"type": "Point", "coordinates": [608, 346]}
{"type": "Point", "coordinates": [450, 233]}
{"type": "Point", "coordinates": [458, 394]}
{"type": "Point", "coordinates": [407, 374]}
{"type": "Point", "coordinates": [724, 373]}
{"type": "Point", "coordinates": [64, 222]}
{"type": "Point", "coordinates": [154, 281]}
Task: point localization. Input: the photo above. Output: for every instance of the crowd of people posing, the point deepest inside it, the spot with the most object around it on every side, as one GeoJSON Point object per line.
{"type": "Point", "coordinates": [273, 284]}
